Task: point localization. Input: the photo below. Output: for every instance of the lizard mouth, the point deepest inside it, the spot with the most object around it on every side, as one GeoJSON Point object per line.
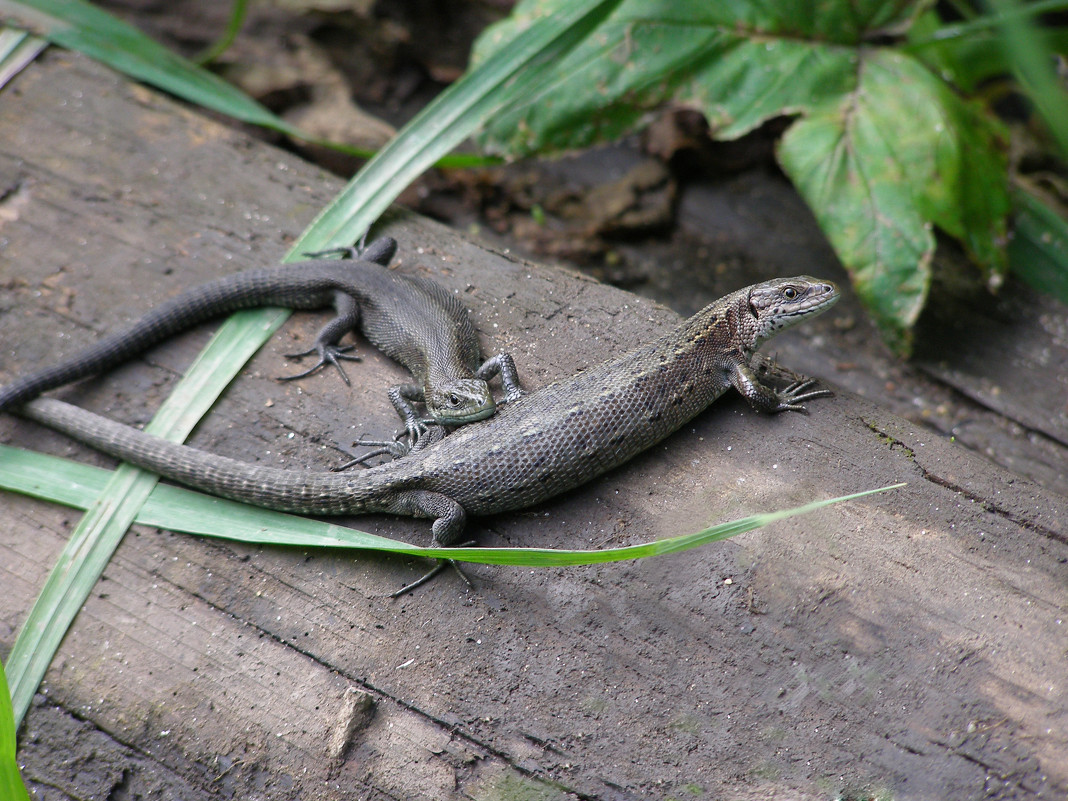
{"type": "Point", "coordinates": [469, 417]}
{"type": "Point", "coordinates": [827, 297]}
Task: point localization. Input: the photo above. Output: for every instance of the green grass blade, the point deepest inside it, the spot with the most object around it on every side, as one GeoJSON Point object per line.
{"type": "Point", "coordinates": [71, 579]}
{"type": "Point", "coordinates": [1033, 62]}
{"type": "Point", "coordinates": [17, 49]}
{"type": "Point", "coordinates": [453, 116]}
{"type": "Point", "coordinates": [78, 25]}
{"type": "Point", "coordinates": [987, 22]}
{"type": "Point", "coordinates": [238, 12]}
{"type": "Point", "coordinates": [11, 786]}
{"type": "Point", "coordinates": [81, 26]}
{"type": "Point", "coordinates": [112, 510]}
{"type": "Point", "coordinates": [58, 480]}
{"type": "Point", "coordinates": [1038, 252]}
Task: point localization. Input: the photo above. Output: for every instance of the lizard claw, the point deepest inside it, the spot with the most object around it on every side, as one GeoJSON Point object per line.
{"type": "Point", "coordinates": [441, 565]}
{"type": "Point", "coordinates": [343, 252]}
{"type": "Point", "coordinates": [421, 433]}
{"type": "Point", "coordinates": [328, 354]}
{"type": "Point", "coordinates": [397, 447]}
{"type": "Point", "coordinates": [790, 398]}
{"type": "Point", "coordinates": [400, 446]}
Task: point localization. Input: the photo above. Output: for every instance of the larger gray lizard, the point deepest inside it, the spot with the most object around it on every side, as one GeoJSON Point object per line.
{"type": "Point", "coordinates": [544, 443]}
{"type": "Point", "coordinates": [413, 320]}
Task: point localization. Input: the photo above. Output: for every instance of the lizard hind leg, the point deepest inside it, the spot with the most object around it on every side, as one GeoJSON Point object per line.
{"type": "Point", "coordinates": [448, 516]}
{"type": "Point", "coordinates": [328, 354]}
{"type": "Point", "coordinates": [326, 341]}
{"type": "Point", "coordinates": [434, 571]}
{"type": "Point", "coordinates": [449, 521]}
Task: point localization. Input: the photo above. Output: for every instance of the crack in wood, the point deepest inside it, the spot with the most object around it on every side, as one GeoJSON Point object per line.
{"type": "Point", "coordinates": [985, 503]}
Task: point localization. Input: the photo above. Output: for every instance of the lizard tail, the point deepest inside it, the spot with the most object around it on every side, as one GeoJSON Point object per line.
{"type": "Point", "coordinates": [269, 487]}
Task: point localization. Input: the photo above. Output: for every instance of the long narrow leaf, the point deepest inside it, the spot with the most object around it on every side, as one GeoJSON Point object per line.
{"type": "Point", "coordinates": [453, 116]}
{"type": "Point", "coordinates": [115, 506]}
{"type": "Point", "coordinates": [986, 22]}
{"type": "Point", "coordinates": [1038, 252]}
{"type": "Point", "coordinates": [17, 49]}
{"type": "Point", "coordinates": [62, 481]}
{"type": "Point", "coordinates": [11, 786]}
{"type": "Point", "coordinates": [1033, 63]}
{"type": "Point", "coordinates": [238, 13]}
{"type": "Point", "coordinates": [81, 26]}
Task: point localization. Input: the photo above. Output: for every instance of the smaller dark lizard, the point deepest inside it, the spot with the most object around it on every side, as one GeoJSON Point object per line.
{"type": "Point", "coordinates": [413, 320]}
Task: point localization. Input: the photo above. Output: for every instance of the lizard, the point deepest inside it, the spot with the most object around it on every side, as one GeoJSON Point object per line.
{"type": "Point", "coordinates": [540, 445]}
{"type": "Point", "coordinates": [411, 319]}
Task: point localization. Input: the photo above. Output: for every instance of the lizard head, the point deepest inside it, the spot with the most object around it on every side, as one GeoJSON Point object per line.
{"type": "Point", "coordinates": [785, 302]}
{"type": "Point", "coordinates": [463, 400]}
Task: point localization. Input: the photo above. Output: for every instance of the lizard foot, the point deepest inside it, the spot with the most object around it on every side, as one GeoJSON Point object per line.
{"type": "Point", "coordinates": [397, 447]}
{"type": "Point", "coordinates": [440, 566]}
{"type": "Point", "coordinates": [791, 398]}
{"type": "Point", "coordinates": [328, 354]}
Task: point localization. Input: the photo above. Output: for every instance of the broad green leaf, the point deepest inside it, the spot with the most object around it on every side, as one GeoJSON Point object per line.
{"type": "Point", "coordinates": [975, 50]}
{"type": "Point", "coordinates": [740, 63]}
{"type": "Point", "coordinates": [11, 786]}
{"type": "Point", "coordinates": [895, 157]}
{"type": "Point", "coordinates": [883, 149]}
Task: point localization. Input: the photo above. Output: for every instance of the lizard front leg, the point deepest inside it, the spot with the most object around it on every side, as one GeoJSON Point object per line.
{"type": "Point", "coordinates": [404, 397]}
{"type": "Point", "coordinates": [503, 365]}
{"type": "Point", "coordinates": [398, 447]}
{"type": "Point", "coordinates": [765, 399]}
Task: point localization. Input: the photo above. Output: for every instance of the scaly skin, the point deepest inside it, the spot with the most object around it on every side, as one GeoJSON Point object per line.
{"type": "Point", "coordinates": [536, 447]}
{"type": "Point", "coordinates": [412, 320]}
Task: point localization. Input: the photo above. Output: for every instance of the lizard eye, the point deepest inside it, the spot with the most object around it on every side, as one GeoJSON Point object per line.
{"type": "Point", "coordinates": [789, 293]}
{"type": "Point", "coordinates": [454, 400]}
